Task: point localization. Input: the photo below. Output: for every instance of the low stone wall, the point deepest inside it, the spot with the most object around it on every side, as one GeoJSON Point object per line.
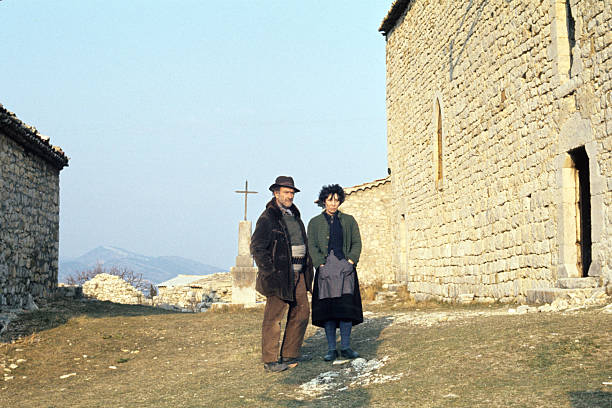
{"type": "Point", "coordinates": [198, 296]}
{"type": "Point", "coordinates": [114, 289]}
{"type": "Point", "coordinates": [189, 296]}
{"type": "Point", "coordinates": [216, 287]}
{"type": "Point", "coordinates": [65, 290]}
{"type": "Point", "coordinates": [369, 204]}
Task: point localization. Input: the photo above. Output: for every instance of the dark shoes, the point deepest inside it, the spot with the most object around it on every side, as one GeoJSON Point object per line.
{"type": "Point", "coordinates": [331, 355]}
{"type": "Point", "coordinates": [275, 367]}
{"type": "Point", "coordinates": [349, 353]}
{"type": "Point", "coordinates": [346, 353]}
{"type": "Point", "coordinates": [285, 363]}
{"type": "Point", "coordinates": [293, 361]}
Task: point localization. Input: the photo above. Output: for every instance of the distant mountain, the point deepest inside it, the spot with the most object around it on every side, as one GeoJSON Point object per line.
{"type": "Point", "coordinates": [154, 269]}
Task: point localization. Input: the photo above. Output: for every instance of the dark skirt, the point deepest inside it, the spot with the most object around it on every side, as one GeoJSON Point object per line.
{"type": "Point", "coordinates": [346, 307]}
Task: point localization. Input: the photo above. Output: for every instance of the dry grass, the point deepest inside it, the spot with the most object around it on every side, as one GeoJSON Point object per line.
{"type": "Point", "coordinates": [167, 359]}
{"type": "Point", "coordinates": [29, 340]}
{"type": "Point", "coordinates": [405, 298]}
{"type": "Point", "coordinates": [370, 290]}
{"type": "Point", "coordinates": [229, 308]}
{"type": "Point", "coordinates": [535, 360]}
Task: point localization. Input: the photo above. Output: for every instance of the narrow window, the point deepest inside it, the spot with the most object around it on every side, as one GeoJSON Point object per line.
{"type": "Point", "coordinates": [564, 37]}
{"type": "Point", "coordinates": [571, 32]}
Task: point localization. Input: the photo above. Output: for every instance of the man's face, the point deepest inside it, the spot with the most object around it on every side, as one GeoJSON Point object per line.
{"type": "Point", "coordinates": [284, 196]}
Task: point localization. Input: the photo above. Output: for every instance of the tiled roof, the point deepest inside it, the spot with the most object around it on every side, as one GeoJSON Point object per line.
{"type": "Point", "coordinates": [397, 9]}
{"type": "Point", "coordinates": [371, 184]}
{"type": "Point", "coordinates": [30, 139]}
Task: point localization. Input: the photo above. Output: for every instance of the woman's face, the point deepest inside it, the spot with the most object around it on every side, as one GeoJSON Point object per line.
{"type": "Point", "coordinates": [331, 204]}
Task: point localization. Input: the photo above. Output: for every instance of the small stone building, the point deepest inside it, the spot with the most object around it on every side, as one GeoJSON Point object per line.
{"type": "Point", "coordinates": [370, 204]}
{"type": "Point", "coordinates": [29, 212]}
{"type": "Point", "coordinates": [499, 121]}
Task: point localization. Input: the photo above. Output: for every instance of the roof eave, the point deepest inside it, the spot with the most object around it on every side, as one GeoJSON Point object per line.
{"type": "Point", "coordinates": [368, 185]}
{"type": "Point", "coordinates": [397, 10]}
{"type": "Point", "coordinates": [29, 138]}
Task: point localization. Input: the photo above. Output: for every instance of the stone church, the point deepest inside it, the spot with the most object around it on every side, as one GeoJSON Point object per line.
{"type": "Point", "coordinates": [29, 212]}
{"type": "Point", "coordinates": [499, 121]}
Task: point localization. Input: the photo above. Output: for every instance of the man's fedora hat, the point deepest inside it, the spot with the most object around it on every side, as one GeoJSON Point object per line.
{"type": "Point", "coordinates": [283, 181]}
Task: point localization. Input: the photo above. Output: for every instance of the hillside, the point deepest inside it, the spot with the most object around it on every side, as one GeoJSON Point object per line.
{"type": "Point", "coordinates": [154, 269]}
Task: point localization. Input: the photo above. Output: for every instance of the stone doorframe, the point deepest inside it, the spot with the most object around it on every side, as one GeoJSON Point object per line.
{"type": "Point", "coordinates": [574, 133]}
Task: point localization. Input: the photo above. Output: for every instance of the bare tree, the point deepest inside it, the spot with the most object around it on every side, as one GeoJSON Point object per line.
{"type": "Point", "coordinates": [128, 275]}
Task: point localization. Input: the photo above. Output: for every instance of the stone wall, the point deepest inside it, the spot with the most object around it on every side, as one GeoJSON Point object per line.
{"type": "Point", "coordinates": [114, 289]}
{"type": "Point", "coordinates": [485, 101]}
{"type": "Point", "coordinates": [216, 287]}
{"type": "Point", "coordinates": [370, 204]}
{"type": "Point", "coordinates": [197, 296]}
{"type": "Point", "coordinates": [29, 224]}
{"type": "Point", "coordinates": [189, 296]}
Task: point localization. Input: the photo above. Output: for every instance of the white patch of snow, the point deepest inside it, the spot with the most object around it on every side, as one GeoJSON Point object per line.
{"type": "Point", "coordinates": [359, 374]}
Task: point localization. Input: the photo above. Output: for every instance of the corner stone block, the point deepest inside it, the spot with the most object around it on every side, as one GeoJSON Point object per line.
{"type": "Point", "coordinates": [597, 212]}
{"type": "Point", "coordinates": [244, 261]}
{"type": "Point", "coordinates": [595, 269]}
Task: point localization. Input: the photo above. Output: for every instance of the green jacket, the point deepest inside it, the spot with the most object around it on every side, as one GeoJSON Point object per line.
{"type": "Point", "coordinates": [318, 238]}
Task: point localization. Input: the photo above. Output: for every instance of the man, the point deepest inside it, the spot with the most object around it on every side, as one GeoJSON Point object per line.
{"type": "Point", "coordinates": [280, 248]}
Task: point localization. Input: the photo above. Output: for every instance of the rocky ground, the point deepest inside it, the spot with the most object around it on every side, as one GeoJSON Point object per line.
{"type": "Point", "coordinates": [363, 372]}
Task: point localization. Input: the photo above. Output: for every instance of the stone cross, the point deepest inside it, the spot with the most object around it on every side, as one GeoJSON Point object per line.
{"type": "Point", "coordinates": [246, 192]}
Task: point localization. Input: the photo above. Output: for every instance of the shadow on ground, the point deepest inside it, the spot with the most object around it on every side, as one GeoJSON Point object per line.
{"type": "Point", "coordinates": [57, 313]}
{"type": "Point", "coordinates": [364, 340]}
{"type": "Point", "coordinates": [591, 399]}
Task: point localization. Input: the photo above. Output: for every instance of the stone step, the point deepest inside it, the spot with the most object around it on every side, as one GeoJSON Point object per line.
{"type": "Point", "coordinates": [549, 295]}
{"type": "Point", "coordinates": [577, 283]}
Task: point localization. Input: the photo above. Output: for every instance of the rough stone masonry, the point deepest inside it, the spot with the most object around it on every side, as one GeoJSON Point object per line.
{"type": "Point", "coordinates": [29, 212]}
{"type": "Point", "coordinates": [499, 115]}
{"type": "Point", "coordinates": [370, 204]}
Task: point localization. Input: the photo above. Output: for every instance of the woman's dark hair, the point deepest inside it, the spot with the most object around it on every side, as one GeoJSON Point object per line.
{"type": "Point", "coordinates": [331, 189]}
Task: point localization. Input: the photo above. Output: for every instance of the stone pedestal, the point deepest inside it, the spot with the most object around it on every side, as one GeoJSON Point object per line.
{"type": "Point", "coordinates": [244, 273]}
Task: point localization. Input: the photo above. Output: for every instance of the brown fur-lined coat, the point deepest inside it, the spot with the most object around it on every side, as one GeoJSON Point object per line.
{"type": "Point", "coordinates": [271, 250]}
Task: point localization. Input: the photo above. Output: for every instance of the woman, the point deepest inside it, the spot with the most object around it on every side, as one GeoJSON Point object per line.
{"type": "Point", "coordinates": [334, 244]}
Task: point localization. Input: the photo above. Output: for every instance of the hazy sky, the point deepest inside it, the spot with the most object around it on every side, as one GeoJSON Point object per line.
{"type": "Point", "coordinates": [166, 107]}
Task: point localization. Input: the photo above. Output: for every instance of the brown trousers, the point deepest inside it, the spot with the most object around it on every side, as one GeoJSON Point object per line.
{"type": "Point", "coordinates": [295, 328]}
